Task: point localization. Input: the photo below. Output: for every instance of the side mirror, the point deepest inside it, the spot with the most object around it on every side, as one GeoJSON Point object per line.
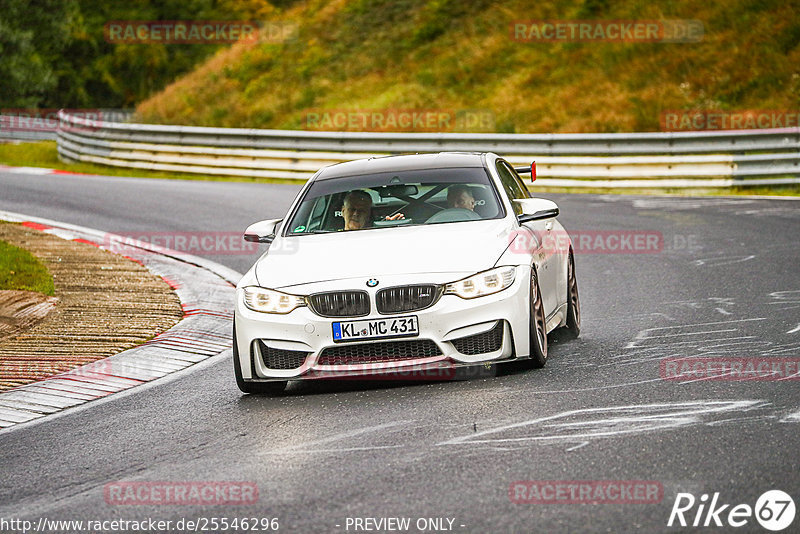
{"type": "Point", "coordinates": [262, 231]}
{"type": "Point", "coordinates": [535, 209]}
{"type": "Point", "coordinates": [528, 170]}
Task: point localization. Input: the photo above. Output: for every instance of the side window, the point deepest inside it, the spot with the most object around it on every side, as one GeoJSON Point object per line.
{"type": "Point", "coordinates": [302, 217]}
{"type": "Point", "coordinates": [525, 191]}
{"type": "Point", "coordinates": [515, 184]}
{"type": "Point", "coordinates": [511, 183]}
{"type": "Point", "coordinates": [317, 213]}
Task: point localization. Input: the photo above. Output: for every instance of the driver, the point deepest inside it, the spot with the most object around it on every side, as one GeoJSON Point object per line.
{"type": "Point", "coordinates": [460, 196]}
{"type": "Point", "coordinates": [357, 211]}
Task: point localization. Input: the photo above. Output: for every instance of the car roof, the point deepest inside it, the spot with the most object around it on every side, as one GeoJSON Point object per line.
{"type": "Point", "coordinates": [408, 162]}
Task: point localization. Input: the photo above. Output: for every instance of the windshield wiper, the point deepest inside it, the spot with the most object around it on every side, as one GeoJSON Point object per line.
{"type": "Point", "coordinates": [315, 231]}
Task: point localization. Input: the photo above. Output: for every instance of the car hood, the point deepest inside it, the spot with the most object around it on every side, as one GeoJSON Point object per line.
{"type": "Point", "coordinates": [453, 247]}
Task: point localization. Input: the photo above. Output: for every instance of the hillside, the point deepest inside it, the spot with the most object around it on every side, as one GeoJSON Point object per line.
{"type": "Point", "coordinates": [356, 55]}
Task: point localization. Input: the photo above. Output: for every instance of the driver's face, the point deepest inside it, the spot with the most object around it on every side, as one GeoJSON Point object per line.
{"type": "Point", "coordinates": [356, 214]}
{"type": "Point", "coordinates": [464, 200]}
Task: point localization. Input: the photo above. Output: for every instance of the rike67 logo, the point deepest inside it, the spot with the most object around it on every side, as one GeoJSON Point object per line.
{"type": "Point", "coordinates": [774, 510]}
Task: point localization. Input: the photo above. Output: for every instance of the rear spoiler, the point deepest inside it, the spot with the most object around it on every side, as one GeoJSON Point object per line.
{"type": "Point", "coordinates": [528, 170]}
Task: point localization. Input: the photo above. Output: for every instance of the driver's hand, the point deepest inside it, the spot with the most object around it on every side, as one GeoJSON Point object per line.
{"type": "Point", "coordinates": [395, 217]}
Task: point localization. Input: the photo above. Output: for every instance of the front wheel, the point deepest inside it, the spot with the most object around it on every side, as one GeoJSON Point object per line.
{"type": "Point", "coordinates": [264, 388]}
{"type": "Point", "coordinates": [537, 329]}
{"type": "Point", "coordinates": [573, 327]}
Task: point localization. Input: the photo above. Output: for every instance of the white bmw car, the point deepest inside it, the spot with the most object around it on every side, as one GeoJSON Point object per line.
{"type": "Point", "coordinates": [424, 261]}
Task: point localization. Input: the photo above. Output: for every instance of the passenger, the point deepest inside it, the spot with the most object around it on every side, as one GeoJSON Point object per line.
{"type": "Point", "coordinates": [357, 211]}
{"type": "Point", "coordinates": [460, 196]}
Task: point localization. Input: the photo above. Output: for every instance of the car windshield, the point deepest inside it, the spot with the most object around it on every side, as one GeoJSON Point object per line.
{"type": "Point", "coordinates": [392, 199]}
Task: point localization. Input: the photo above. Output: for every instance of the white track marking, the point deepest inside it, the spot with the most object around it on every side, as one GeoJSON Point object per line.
{"type": "Point", "coordinates": [327, 451]}
{"type": "Point", "coordinates": [791, 348]}
{"type": "Point", "coordinates": [772, 211]}
{"type": "Point", "coordinates": [788, 377]}
{"type": "Point", "coordinates": [741, 419]}
{"type": "Point", "coordinates": [703, 349]}
{"type": "Point", "coordinates": [596, 388]}
{"type": "Point", "coordinates": [26, 170]}
{"type": "Point", "coordinates": [664, 315]}
{"type": "Point", "coordinates": [790, 299]}
{"type": "Point", "coordinates": [306, 446]}
{"type": "Point", "coordinates": [718, 377]}
{"type": "Point", "coordinates": [722, 260]}
{"type": "Point", "coordinates": [646, 333]}
{"type": "Point", "coordinates": [675, 204]}
{"type": "Point", "coordinates": [791, 418]}
{"type": "Point", "coordinates": [707, 324]}
{"type": "Point", "coordinates": [608, 422]}
{"type": "Point", "coordinates": [660, 347]}
{"type": "Point", "coordinates": [722, 300]}
{"type": "Point", "coordinates": [578, 446]}
{"type": "Point", "coordinates": [794, 330]}
{"type": "Point", "coordinates": [692, 333]}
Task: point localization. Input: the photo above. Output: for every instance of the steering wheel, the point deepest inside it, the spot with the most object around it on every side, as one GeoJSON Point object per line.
{"type": "Point", "coordinates": [453, 215]}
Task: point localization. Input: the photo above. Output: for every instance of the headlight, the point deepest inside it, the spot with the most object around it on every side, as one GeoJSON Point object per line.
{"type": "Point", "coordinates": [482, 284]}
{"type": "Point", "coordinates": [265, 300]}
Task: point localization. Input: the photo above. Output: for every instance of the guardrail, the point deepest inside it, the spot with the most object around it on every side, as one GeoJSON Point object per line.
{"type": "Point", "coordinates": [672, 159]}
{"type": "Point", "coordinates": [10, 128]}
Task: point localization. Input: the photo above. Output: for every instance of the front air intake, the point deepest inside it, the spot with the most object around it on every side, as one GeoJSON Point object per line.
{"type": "Point", "coordinates": [402, 299]}
{"type": "Point", "coordinates": [340, 303]}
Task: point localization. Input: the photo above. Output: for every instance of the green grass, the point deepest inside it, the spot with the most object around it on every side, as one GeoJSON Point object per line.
{"type": "Point", "coordinates": [19, 269]}
{"type": "Point", "coordinates": [44, 154]}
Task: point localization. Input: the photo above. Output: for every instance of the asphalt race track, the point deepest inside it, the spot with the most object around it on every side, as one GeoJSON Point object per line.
{"type": "Point", "coordinates": [725, 282]}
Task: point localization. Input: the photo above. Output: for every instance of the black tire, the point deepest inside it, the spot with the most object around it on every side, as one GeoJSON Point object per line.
{"type": "Point", "coordinates": [263, 388]}
{"type": "Point", "coordinates": [573, 327]}
{"type": "Point", "coordinates": [537, 328]}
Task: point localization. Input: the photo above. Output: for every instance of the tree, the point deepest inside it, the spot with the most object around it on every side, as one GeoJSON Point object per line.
{"type": "Point", "coordinates": [32, 35]}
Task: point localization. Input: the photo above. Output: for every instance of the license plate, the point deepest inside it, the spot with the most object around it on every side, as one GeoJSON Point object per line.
{"type": "Point", "coordinates": [375, 328]}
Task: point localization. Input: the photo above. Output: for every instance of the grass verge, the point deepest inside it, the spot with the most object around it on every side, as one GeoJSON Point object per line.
{"type": "Point", "coordinates": [19, 269]}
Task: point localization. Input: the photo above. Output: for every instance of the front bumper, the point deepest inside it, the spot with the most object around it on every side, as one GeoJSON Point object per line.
{"type": "Point", "coordinates": [460, 331]}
